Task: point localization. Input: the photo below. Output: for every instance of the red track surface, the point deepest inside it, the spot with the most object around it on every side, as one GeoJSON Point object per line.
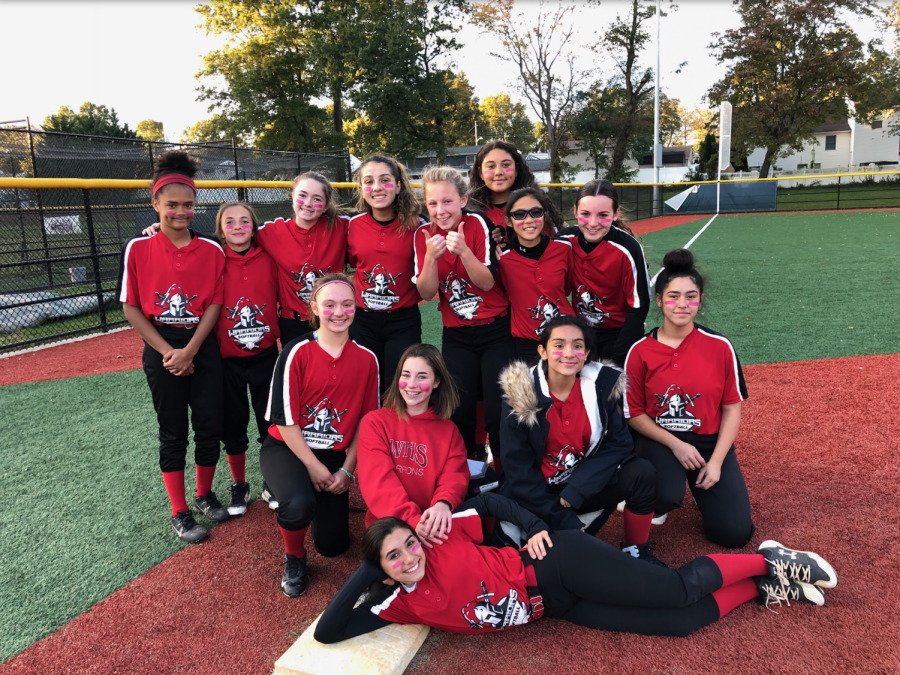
{"type": "Point", "coordinates": [819, 451]}
{"type": "Point", "coordinates": [642, 227]}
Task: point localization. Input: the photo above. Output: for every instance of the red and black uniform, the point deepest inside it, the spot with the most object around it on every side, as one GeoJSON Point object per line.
{"type": "Point", "coordinates": [326, 397]}
{"type": "Point", "coordinates": [538, 281]}
{"type": "Point", "coordinates": [302, 256]}
{"type": "Point", "coordinates": [683, 390]}
{"type": "Point", "coordinates": [247, 331]}
{"type": "Point", "coordinates": [173, 287]}
{"type": "Point", "coordinates": [468, 588]}
{"type": "Point", "coordinates": [407, 466]}
{"type": "Point", "coordinates": [611, 289]}
{"type": "Point", "coordinates": [477, 344]}
{"type": "Point", "coordinates": [387, 316]}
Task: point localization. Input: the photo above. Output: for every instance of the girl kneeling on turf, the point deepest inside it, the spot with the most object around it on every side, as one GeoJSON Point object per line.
{"type": "Point", "coordinates": [462, 587]}
{"type": "Point", "coordinates": [566, 447]}
{"type": "Point", "coordinates": [684, 401]}
{"type": "Point", "coordinates": [412, 460]}
{"type": "Point", "coordinates": [323, 384]}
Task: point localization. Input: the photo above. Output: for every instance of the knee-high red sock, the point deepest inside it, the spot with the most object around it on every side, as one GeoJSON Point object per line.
{"type": "Point", "coordinates": [174, 481]}
{"type": "Point", "coordinates": [734, 595]}
{"type": "Point", "coordinates": [293, 541]}
{"type": "Point", "coordinates": [237, 464]}
{"type": "Point", "coordinates": [204, 479]}
{"type": "Point", "coordinates": [737, 566]}
{"type": "Point", "coordinates": [637, 528]}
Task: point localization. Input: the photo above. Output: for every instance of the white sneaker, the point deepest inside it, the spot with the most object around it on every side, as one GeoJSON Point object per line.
{"type": "Point", "coordinates": [659, 520]}
{"type": "Point", "coordinates": [269, 498]}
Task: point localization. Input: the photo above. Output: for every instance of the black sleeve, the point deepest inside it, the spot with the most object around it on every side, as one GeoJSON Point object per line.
{"type": "Point", "coordinates": [341, 620]}
{"type": "Point", "coordinates": [275, 409]}
{"type": "Point", "coordinates": [490, 504]}
{"type": "Point", "coordinates": [632, 331]}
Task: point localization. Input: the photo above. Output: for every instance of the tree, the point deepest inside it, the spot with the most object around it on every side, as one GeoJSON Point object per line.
{"type": "Point", "coordinates": [216, 128]}
{"type": "Point", "coordinates": [91, 119]}
{"type": "Point", "coordinates": [506, 121]}
{"type": "Point", "coordinates": [462, 110]}
{"type": "Point", "coordinates": [150, 130]}
{"type": "Point", "coordinates": [792, 65]}
{"type": "Point", "coordinates": [540, 49]}
{"type": "Point", "coordinates": [670, 125]}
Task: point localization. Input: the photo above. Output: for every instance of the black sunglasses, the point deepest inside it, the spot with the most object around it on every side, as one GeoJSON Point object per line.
{"type": "Point", "coordinates": [522, 214]}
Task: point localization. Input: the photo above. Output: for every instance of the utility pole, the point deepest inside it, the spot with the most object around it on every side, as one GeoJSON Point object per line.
{"type": "Point", "coordinates": [657, 149]}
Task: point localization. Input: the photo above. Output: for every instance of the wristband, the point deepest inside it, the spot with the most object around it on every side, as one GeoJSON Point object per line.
{"type": "Point", "coordinates": [349, 474]}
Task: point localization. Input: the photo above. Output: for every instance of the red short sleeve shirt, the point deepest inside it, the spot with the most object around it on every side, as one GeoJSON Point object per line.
{"type": "Point", "coordinates": [248, 322]}
{"type": "Point", "coordinates": [383, 258]}
{"type": "Point", "coordinates": [569, 438]}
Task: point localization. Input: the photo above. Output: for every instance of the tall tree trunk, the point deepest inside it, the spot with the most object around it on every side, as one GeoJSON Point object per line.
{"type": "Point", "coordinates": [337, 113]}
{"type": "Point", "coordinates": [767, 163]}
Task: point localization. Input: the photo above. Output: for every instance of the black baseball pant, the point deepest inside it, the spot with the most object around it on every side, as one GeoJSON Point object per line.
{"type": "Point", "coordinates": [173, 395]}
{"type": "Point", "coordinates": [725, 507]}
{"type": "Point", "coordinates": [634, 484]}
{"type": "Point", "coordinates": [476, 355]}
{"type": "Point", "coordinates": [526, 350]}
{"type": "Point", "coordinates": [299, 504]}
{"type": "Point", "coordinates": [291, 329]}
{"type": "Point", "coordinates": [238, 374]}
{"type": "Point", "coordinates": [588, 582]}
{"type": "Point", "coordinates": [387, 335]}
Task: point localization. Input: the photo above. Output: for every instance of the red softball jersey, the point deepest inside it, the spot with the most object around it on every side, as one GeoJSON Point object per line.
{"type": "Point", "coordinates": [569, 438]}
{"type": "Point", "coordinates": [383, 258]}
{"type": "Point", "coordinates": [610, 280]}
{"type": "Point", "coordinates": [248, 322]}
{"type": "Point", "coordinates": [172, 286]}
{"type": "Point", "coordinates": [684, 389]}
{"type": "Point", "coordinates": [302, 256]}
{"type": "Point", "coordinates": [407, 466]}
{"type": "Point", "coordinates": [326, 396]}
{"type": "Point", "coordinates": [497, 215]}
{"type": "Point", "coordinates": [467, 588]}
{"type": "Point", "coordinates": [461, 302]}
{"type": "Point", "coordinates": [538, 289]}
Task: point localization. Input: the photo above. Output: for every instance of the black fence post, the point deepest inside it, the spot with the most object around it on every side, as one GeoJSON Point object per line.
{"type": "Point", "coordinates": [95, 259]}
{"type": "Point", "coordinates": [242, 193]}
{"type": "Point", "coordinates": [349, 165]}
{"type": "Point", "coordinates": [34, 171]}
{"type": "Point", "coordinates": [150, 150]}
{"type": "Point", "coordinates": [839, 194]}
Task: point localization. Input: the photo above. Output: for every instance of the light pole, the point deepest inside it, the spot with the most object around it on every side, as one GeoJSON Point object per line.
{"type": "Point", "coordinates": [657, 150]}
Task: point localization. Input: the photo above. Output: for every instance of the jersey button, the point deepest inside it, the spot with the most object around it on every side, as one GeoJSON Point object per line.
{"type": "Point", "coordinates": [439, 599]}
{"type": "Point", "coordinates": [382, 234]}
{"type": "Point", "coordinates": [427, 592]}
{"type": "Point", "coordinates": [245, 278]}
{"type": "Point", "coordinates": [674, 365]}
{"type": "Point", "coordinates": [381, 243]}
{"type": "Point", "coordinates": [177, 264]}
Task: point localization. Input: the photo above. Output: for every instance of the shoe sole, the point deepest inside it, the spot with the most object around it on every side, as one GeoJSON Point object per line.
{"type": "Point", "coordinates": [267, 497]}
{"type": "Point", "coordinates": [190, 541]}
{"type": "Point", "coordinates": [237, 510]}
{"type": "Point", "coordinates": [660, 520]}
{"type": "Point", "coordinates": [299, 595]}
{"type": "Point", "coordinates": [832, 579]}
{"type": "Point", "coordinates": [812, 594]}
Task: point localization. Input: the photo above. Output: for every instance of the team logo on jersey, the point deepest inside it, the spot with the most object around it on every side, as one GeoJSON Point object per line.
{"type": "Point", "coordinates": [248, 330]}
{"type": "Point", "coordinates": [562, 464]}
{"type": "Point", "coordinates": [410, 450]}
{"type": "Point", "coordinates": [675, 415]}
{"type": "Point", "coordinates": [380, 296]}
{"type": "Point", "coordinates": [177, 306]}
{"type": "Point", "coordinates": [589, 306]}
{"type": "Point", "coordinates": [320, 433]}
{"type": "Point", "coordinates": [463, 303]}
{"type": "Point", "coordinates": [544, 310]}
{"type": "Point", "coordinates": [508, 611]}
{"type": "Point", "coordinates": [305, 278]}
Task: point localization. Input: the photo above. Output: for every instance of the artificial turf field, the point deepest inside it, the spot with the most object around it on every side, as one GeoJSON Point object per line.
{"type": "Point", "coordinates": [84, 510]}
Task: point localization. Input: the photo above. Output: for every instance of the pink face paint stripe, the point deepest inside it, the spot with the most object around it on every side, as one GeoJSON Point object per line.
{"type": "Point", "coordinates": [509, 169]}
{"type": "Point", "coordinates": [671, 303]}
{"type": "Point", "coordinates": [583, 221]}
{"type": "Point", "coordinates": [415, 548]}
{"type": "Point", "coordinates": [580, 355]}
{"type": "Point", "coordinates": [608, 221]}
{"type": "Point", "coordinates": [170, 213]}
{"type": "Point", "coordinates": [424, 387]}
{"type": "Point", "coordinates": [388, 186]}
{"type": "Point", "coordinates": [397, 565]}
{"type": "Point", "coordinates": [693, 304]}
{"type": "Point", "coordinates": [327, 312]}
{"type": "Point", "coordinates": [557, 353]}
{"type": "Point", "coordinates": [402, 384]}
{"type": "Point", "coordinates": [300, 202]}
{"type": "Point", "coordinates": [317, 206]}
{"type": "Point", "coordinates": [351, 310]}
{"type": "Point", "coordinates": [367, 188]}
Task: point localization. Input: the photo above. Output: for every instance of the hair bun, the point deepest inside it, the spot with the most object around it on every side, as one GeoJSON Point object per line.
{"type": "Point", "coordinates": [177, 161]}
{"type": "Point", "coordinates": [678, 261]}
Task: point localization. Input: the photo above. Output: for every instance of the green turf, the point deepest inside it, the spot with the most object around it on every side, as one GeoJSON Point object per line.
{"type": "Point", "coordinates": [84, 507]}
{"type": "Point", "coordinates": [858, 195]}
{"type": "Point", "coordinates": [789, 287]}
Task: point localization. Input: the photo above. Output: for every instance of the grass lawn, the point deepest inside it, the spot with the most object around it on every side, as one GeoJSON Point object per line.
{"type": "Point", "coordinates": [852, 196]}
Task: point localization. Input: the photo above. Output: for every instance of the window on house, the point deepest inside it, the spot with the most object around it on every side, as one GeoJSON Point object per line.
{"type": "Point", "coordinates": [470, 159]}
{"type": "Point", "coordinates": [876, 124]}
{"type": "Point", "coordinates": [801, 166]}
{"type": "Point", "coordinates": [831, 142]}
{"type": "Point", "coordinates": [816, 166]}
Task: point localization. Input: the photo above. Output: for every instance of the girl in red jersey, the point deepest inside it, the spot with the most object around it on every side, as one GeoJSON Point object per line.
{"type": "Point", "coordinates": [171, 292]}
{"type": "Point", "coordinates": [455, 258]}
{"type": "Point", "coordinates": [322, 386]}
{"type": "Point", "coordinates": [462, 587]}
{"type": "Point", "coordinates": [246, 334]}
{"type": "Point", "coordinates": [566, 446]}
{"type": "Point", "coordinates": [412, 460]}
{"type": "Point", "coordinates": [684, 401]}
{"type": "Point", "coordinates": [498, 171]}
{"type": "Point", "coordinates": [535, 270]}
{"type": "Point", "coordinates": [612, 287]}
{"type": "Point", "coordinates": [380, 247]}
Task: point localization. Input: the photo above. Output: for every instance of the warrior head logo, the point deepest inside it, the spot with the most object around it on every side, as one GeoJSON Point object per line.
{"type": "Point", "coordinates": [589, 305]}
{"type": "Point", "coordinates": [674, 404]}
{"type": "Point", "coordinates": [320, 433]}
{"type": "Point", "coordinates": [176, 302]}
{"type": "Point", "coordinates": [248, 330]}
{"type": "Point", "coordinates": [380, 281]}
{"type": "Point", "coordinates": [306, 277]}
{"type": "Point", "coordinates": [563, 463]}
{"type": "Point", "coordinates": [461, 301]}
{"type": "Point", "coordinates": [482, 613]}
{"type": "Point", "coordinates": [544, 310]}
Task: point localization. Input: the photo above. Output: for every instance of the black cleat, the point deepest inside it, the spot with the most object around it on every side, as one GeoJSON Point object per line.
{"type": "Point", "coordinates": [803, 566]}
{"type": "Point", "coordinates": [642, 552]}
{"type": "Point", "coordinates": [187, 529]}
{"type": "Point", "coordinates": [268, 497]}
{"type": "Point", "coordinates": [210, 507]}
{"type": "Point", "coordinates": [772, 591]}
{"type": "Point", "coordinates": [240, 495]}
{"type": "Point", "coordinates": [296, 576]}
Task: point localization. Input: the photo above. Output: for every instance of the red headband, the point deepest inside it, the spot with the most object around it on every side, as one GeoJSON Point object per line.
{"type": "Point", "coordinates": [169, 178]}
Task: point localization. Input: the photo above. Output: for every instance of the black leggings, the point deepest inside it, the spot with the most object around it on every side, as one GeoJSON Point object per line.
{"type": "Point", "coordinates": [526, 350]}
{"type": "Point", "coordinates": [299, 504]}
{"type": "Point", "coordinates": [173, 395]}
{"type": "Point", "coordinates": [590, 583]}
{"type": "Point", "coordinates": [238, 373]}
{"type": "Point", "coordinates": [725, 506]}
{"type": "Point", "coordinates": [477, 355]}
{"type": "Point", "coordinates": [387, 335]}
{"type": "Point", "coordinates": [291, 329]}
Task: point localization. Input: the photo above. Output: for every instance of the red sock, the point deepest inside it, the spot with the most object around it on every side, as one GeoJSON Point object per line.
{"type": "Point", "coordinates": [293, 541]}
{"type": "Point", "coordinates": [736, 594]}
{"type": "Point", "coordinates": [174, 481]}
{"type": "Point", "coordinates": [237, 464]}
{"type": "Point", "coordinates": [737, 566]}
{"type": "Point", "coordinates": [204, 479]}
{"type": "Point", "coordinates": [637, 528]}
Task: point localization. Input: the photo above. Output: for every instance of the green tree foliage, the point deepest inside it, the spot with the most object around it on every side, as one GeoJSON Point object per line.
{"type": "Point", "coordinates": [670, 124]}
{"type": "Point", "coordinates": [506, 121]}
{"type": "Point", "coordinates": [150, 130]}
{"type": "Point", "coordinates": [91, 119]}
{"type": "Point", "coordinates": [216, 128]}
{"type": "Point", "coordinates": [792, 65]}
{"type": "Point", "coordinates": [462, 112]}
